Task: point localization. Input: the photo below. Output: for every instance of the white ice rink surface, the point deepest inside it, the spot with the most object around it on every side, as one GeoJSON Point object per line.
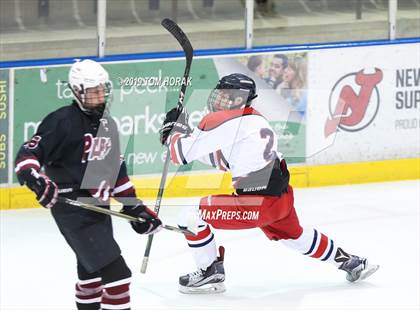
{"type": "Point", "coordinates": [379, 221]}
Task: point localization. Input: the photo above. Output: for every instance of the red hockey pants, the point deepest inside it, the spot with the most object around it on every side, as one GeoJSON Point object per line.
{"type": "Point", "coordinates": [276, 216]}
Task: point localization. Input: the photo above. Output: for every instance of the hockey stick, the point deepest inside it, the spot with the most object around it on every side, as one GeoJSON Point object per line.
{"type": "Point", "coordinates": [118, 214]}
{"type": "Point", "coordinates": [180, 36]}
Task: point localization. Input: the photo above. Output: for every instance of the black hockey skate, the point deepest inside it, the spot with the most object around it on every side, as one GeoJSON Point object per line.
{"type": "Point", "coordinates": [357, 268]}
{"type": "Point", "coordinates": [207, 281]}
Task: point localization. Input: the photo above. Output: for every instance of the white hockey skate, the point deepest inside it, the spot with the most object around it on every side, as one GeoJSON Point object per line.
{"type": "Point", "coordinates": [357, 268]}
{"type": "Point", "coordinates": [209, 281]}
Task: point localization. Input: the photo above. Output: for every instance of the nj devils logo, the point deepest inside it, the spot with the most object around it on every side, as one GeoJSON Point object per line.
{"type": "Point", "coordinates": [355, 102]}
{"type": "Point", "coordinates": [95, 148]}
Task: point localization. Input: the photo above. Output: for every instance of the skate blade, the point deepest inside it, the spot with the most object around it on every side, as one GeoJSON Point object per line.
{"type": "Point", "coordinates": [212, 288]}
{"type": "Point", "coordinates": [371, 269]}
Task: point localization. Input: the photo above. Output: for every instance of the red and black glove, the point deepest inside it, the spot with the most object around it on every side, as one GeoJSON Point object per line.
{"type": "Point", "coordinates": [152, 224]}
{"type": "Point", "coordinates": [46, 190]}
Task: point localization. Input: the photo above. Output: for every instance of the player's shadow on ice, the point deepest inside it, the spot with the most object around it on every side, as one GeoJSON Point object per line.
{"type": "Point", "coordinates": [283, 296]}
{"type": "Point", "coordinates": [291, 297]}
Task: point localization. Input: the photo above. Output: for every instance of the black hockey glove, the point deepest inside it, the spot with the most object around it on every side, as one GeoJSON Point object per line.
{"type": "Point", "coordinates": [175, 121]}
{"type": "Point", "coordinates": [152, 223]}
{"type": "Point", "coordinates": [46, 190]}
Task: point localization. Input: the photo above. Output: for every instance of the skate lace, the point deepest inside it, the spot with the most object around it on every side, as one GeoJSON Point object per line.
{"type": "Point", "coordinates": [196, 274]}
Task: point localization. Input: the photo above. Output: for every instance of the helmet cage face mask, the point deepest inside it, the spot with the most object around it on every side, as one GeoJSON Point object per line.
{"type": "Point", "coordinates": [88, 79]}
{"type": "Point", "coordinates": [233, 91]}
{"type": "Point", "coordinates": [227, 99]}
{"type": "Point", "coordinates": [81, 95]}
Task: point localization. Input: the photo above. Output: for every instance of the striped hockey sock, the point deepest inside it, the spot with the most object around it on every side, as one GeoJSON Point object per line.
{"type": "Point", "coordinates": [89, 294]}
{"type": "Point", "coordinates": [317, 245]}
{"type": "Point", "coordinates": [116, 295]}
{"type": "Point", "coordinates": [203, 246]}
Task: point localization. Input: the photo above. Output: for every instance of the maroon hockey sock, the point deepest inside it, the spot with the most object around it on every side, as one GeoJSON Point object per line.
{"type": "Point", "coordinates": [116, 295]}
{"type": "Point", "coordinates": [89, 294]}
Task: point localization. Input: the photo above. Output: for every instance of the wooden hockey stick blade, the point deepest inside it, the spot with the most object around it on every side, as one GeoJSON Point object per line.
{"type": "Point", "coordinates": [118, 214]}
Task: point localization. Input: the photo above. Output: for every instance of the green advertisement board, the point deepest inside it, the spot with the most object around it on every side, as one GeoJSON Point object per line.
{"type": "Point", "coordinates": [4, 125]}
{"type": "Point", "coordinates": [142, 93]}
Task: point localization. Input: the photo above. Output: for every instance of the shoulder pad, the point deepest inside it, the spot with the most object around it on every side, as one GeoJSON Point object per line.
{"type": "Point", "coordinates": [60, 117]}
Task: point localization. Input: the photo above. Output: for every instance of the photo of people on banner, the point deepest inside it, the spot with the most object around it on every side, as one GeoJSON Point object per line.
{"type": "Point", "coordinates": [285, 73]}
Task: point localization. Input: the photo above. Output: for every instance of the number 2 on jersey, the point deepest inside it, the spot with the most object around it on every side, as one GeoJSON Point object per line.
{"type": "Point", "coordinates": [269, 153]}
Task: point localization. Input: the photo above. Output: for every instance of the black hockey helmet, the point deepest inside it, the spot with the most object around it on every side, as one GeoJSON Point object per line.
{"type": "Point", "coordinates": [233, 91]}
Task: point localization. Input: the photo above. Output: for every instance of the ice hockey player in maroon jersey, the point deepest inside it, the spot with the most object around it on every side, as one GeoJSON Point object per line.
{"type": "Point", "coordinates": [75, 153]}
{"type": "Point", "coordinates": [236, 137]}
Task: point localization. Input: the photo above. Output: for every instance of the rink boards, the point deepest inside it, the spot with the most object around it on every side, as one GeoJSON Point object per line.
{"type": "Point", "coordinates": [354, 118]}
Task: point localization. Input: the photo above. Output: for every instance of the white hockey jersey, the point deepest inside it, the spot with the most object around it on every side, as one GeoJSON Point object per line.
{"type": "Point", "coordinates": [241, 141]}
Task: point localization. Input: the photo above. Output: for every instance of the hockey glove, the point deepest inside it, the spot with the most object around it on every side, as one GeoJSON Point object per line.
{"type": "Point", "coordinates": [175, 121]}
{"type": "Point", "coordinates": [46, 190]}
{"type": "Point", "coordinates": [152, 224]}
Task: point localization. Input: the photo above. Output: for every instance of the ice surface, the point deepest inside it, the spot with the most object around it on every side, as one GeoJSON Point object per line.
{"type": "Point", "coordinates": [379, 221]}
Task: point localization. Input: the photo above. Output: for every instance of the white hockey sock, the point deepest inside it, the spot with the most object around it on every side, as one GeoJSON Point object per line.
{"type": "Point", "coordinates": [202, 245]}
{"type": "Point", "coordinates": [314, 244]}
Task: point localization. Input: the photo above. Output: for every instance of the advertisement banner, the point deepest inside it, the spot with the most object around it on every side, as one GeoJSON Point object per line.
{"type": "Point", "coordinates": [4, 125]}
{"type": "Point", "coordinates": [144, 91]}
{"type": "Point", "coordinates": [282, 96]}
{"type": "Point", "coordinates": [139, 103]}
{"type": "Point", "coordinates": [365, 106]}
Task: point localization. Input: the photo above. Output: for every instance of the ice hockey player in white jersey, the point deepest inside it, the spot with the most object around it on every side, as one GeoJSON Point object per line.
{"type": "Point", "coordinates": [236, 137]}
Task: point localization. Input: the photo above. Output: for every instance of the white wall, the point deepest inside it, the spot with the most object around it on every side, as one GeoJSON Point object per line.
{"type": "Point", "coordinates": [391, 119]}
